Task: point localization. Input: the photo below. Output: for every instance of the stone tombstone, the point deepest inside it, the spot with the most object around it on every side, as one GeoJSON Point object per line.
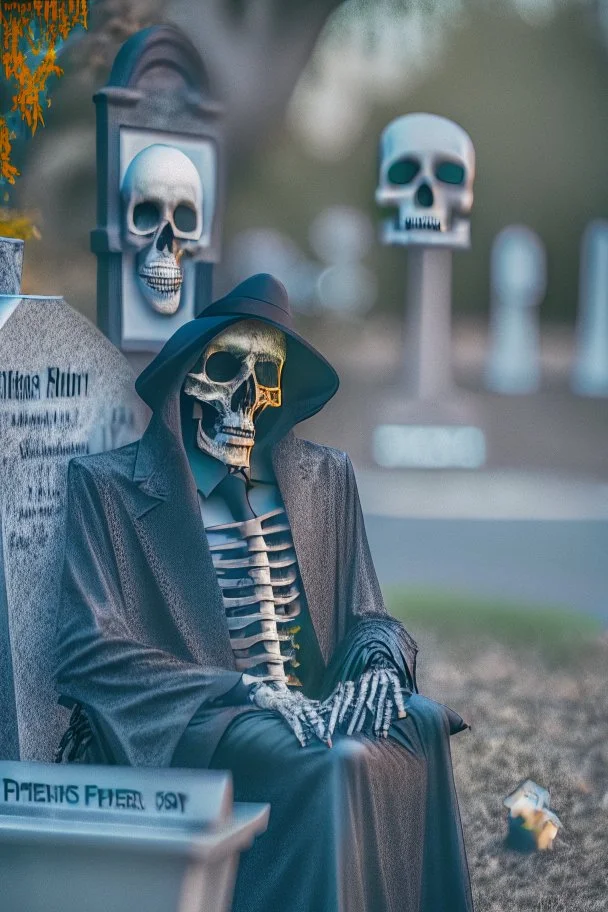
{"type": "Point", "coordinates": [426, 176]}
{"type": "Point", "coordinates": [64, 391]}
{"type": "Point", "coordinates": [98, 838]}
{"type": "Point", "coordinates": [590, 368]}
{"type": "Point", "coordinates": [425, 181]}
{"type": "Point", "coordinates": [159, 190]}
{"type": "Point", "coordinates": [518, 278]}
{"type": "Point", "coordinates": [11, 265]}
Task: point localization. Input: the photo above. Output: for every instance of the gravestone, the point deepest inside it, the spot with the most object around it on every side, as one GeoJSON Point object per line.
{"type": "Point", "coordinates": [64, 391]}
{"type": "Point", "coordinates": [159, 191]}
{"type": "Point", "coordinates": [590, 372]}
{"type": "Point", "coordinates": [11, 264]}
{"type": "Point", "coordinates": [518, 275]}
{"type": "Point", "coordinates": [75, 838]}
{"type": "Point", "coordinates": [425, 185]}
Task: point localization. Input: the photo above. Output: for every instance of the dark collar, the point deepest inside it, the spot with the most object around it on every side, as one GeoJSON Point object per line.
{"type": "Point", "coordinates": [161, 459]}
{"type": "Point", "coordinates": [208, 472]}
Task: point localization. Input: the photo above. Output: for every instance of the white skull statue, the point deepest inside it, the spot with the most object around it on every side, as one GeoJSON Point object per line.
{"type": "Point", "coordinates": [162, 197]}
{"type": "Point", "coordinates": [236, 377]}
{"type": "Point", "coordinates": [427, 168]}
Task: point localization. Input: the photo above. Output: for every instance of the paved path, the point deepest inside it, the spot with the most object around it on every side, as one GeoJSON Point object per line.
{"type": "Point", "coordinates": [549, 563]}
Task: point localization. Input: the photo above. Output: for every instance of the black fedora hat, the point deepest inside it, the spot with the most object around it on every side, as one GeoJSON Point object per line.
{"type": "Point", "coordinates": [308, 380]}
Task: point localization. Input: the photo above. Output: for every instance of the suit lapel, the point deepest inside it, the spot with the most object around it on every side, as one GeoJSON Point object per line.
{"type": "Point", "coordinates": [293, 478]}
{"type": "Point", "coordinates": [165, 508]}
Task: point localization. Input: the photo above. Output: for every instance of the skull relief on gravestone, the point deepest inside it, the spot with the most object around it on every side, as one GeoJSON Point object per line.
{"type": "Point", "coordinates": [427, 169]}
{"type": "Point", "coordinates": [237, 376]}
{"type": "Point", "coordinates": [162, 196]}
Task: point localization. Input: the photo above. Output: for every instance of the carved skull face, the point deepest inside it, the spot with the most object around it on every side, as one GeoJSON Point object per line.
{"type": "Point", "coordinates": [427, 168]}
{"type": "Point", "coordinates": [162, 198]}
{"type": "Point", "coordinates": [236, 377]}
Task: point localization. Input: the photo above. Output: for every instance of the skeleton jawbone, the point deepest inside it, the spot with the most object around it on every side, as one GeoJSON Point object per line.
{"type": "Point", "coordinates": [228, 448]}
{"type": "Point", "coordinates": [161, 286]}
{"type": "Point", "coordinates": [458, 237]}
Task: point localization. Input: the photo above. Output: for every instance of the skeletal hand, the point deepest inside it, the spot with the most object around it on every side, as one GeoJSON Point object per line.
{"type": "Point", "coordinates": [376, 695]}
{"type": "Point", "coordinates": [300, 713]}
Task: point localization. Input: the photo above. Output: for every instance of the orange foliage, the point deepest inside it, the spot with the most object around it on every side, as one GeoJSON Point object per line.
{"type": "Point", "coordinates": [37, 27]}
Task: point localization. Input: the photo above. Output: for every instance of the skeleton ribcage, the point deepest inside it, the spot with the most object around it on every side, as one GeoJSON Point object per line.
{"type": "Point", "coordinates": [257, 572]}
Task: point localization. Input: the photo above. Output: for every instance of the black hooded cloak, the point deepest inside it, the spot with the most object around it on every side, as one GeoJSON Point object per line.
{"type": "Point", "coordinates": [143, 648]}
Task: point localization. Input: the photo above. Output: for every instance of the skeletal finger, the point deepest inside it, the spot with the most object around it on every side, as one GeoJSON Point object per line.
{"type": "Point", "coordinates": [360, 704]}
{"type": "Point", "coordinates": [296, 726]}
{"type": "Point", "coordinates": [327, 706]}
{"type": "Point", "coordinates": [315, 721]}
{"type": "Point", "coordinates": [372, 692]}
{"type": "Point", "coordinates": [398, 697]}
{"type": "Point", "coordinates": [380, 704]}
{"type": "Point", "coordinates": [361, 721]}
{"type": "Point", "coordinates": [349, 693]}
{"type": "Point", "coordinates": [334, 711]}
{"type": "Point", "coordinates": [388, 713]}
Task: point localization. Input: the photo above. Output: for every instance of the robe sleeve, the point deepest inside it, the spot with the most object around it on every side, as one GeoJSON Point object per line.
{"type": "Point", "coordinates": [372, 636]}
{"type": "Point", "coordinates": [141, 698]}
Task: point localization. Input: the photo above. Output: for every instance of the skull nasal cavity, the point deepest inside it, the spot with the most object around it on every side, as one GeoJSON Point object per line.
{"type": "Point", "coordinates": [165, 238]}
{"type": "Point", "coordinates": [244, 397]}
{"type": "Point", "coordinates": [424, 196]}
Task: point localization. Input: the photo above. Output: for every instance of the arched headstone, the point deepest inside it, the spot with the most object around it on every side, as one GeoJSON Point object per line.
{"type": "Point", "coordinates": [518, 286]}
{"type": "Point", "coordinates": [65, 391]}
{"type": "Point", "coordinates": [158, 95]}
{"type": "Point", "coordinates": [590, 370]}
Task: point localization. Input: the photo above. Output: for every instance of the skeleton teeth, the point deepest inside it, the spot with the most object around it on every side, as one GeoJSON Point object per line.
{"type": "Point", "coordinates": [164, 279]}
{"type": "Point", "coordinates": [421, 222]}
{"type": "Point", "coordinates": [237, 432]}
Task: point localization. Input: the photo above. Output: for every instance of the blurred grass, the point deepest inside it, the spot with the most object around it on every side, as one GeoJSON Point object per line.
{"type": "Point", "coordinates": [554, 634]}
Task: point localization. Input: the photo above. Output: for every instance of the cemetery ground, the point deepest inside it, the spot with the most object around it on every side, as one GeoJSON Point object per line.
{"type": "Point", "coordinates": [532, 684]}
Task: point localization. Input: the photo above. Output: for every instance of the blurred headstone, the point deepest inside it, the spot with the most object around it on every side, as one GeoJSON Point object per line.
{"type": "Point", "coordinates": [160, 190]}
{"type": "Point", "coordinates": [518, 284]}
{"type": "Point", "coordinates": [75, 838]}
{"type": "Point", "coordinates": [341, 236]}
{"type": "Point", "coordinates": [590, 374]}
{"type": "Point", "coordinates": [427, 169]}
{"type": "Point", "coordinates": [65, 391]}
{"type": "Point", "coordinates": [426, 175]}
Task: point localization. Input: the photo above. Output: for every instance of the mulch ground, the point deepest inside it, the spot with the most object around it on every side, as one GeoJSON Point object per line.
{"type": "Point", "coordinates": [538, 720]}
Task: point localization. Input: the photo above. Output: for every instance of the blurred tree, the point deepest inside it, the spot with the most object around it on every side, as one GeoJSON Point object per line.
{"type": "Point", "coordinates": [254, 50]}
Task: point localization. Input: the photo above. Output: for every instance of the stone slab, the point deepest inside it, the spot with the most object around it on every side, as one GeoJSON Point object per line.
{"type": "Point", "coordinates": [76, 838]}
{"type": "Point", "coordinates": [11, 265]}
{"type": "Point", "coordinates": [152, 797]}
{"type": "Point", "coordinates": [65, 391]}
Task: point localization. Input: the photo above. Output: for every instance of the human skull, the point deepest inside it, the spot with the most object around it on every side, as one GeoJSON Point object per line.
{"type": "Point", "coordinates": [427, 168]}
{"type": "Point", "coordinates": [162, 198]}
{"type": "Point", "coordinates": [237, 376]}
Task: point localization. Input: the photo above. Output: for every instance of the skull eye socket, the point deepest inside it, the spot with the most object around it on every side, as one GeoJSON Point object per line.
{"type": "Point", "coordinates": [450, 172]}
{"type": "Point", "coordinates": [267, 373]}
{"type": "Point", "coordinates": [184, 218]}
{"type": "Point", "coordinates": [403, 171]}
{"type": "Point", "coordinates": [221, 367]}
{"type": "Point", "coordinates": [146, 216]}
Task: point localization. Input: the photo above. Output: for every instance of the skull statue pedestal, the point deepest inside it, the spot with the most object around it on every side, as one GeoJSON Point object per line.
{"type": "Point", "coordinates": [427, 169]}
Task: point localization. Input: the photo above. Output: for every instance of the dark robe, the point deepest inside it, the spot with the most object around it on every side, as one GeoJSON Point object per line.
{"type": "Point", "coordinates": [143, 647]}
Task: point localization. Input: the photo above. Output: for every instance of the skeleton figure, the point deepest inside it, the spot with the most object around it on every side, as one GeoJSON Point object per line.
{"type": "Point", "coordinates": [175, 636]}
{"type": "Point", "coordinates": [427, 168]}
{"type": "Point", "coordinates": [162, 197]}
{"type": "Point", "coordinates": [237, 376]}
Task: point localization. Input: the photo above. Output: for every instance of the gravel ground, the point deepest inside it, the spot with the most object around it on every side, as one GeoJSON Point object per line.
{"type": "Point", "coordinates": [537, 719]}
